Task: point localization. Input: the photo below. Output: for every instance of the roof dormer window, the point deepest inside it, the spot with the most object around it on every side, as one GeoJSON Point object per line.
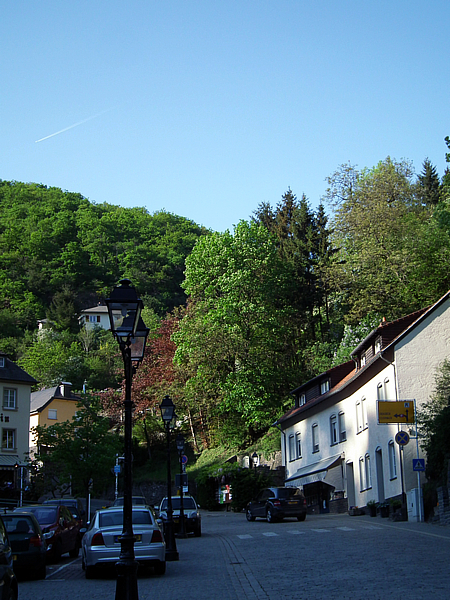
{"type": "Point", "coordinates": [325, 386]}
{"type": "Point", "coordinates": [378, 344]}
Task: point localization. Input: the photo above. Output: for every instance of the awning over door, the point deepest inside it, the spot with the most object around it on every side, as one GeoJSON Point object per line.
{"type": "Point", "coordinates": [9, 461]}
{"type": "Point", "coordinates": [316, 472]}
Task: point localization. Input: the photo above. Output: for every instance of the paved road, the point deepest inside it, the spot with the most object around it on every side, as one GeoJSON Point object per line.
{"type": "Point", "coordinates": [357, 558]}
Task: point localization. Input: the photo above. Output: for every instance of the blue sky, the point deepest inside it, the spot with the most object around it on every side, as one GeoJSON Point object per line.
{"type": "Point", "coordinates": [207, 108]}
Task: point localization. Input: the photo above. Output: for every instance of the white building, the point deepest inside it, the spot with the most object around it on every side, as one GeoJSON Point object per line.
{"type": "Point", "coordinates": [97, 315]}
{"type": "Point", "coordinates": [15, 386]}
{"type": "Point", "coordinates": [332, 443]}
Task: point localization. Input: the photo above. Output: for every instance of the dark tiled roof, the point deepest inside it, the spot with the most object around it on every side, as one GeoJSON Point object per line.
{"type": "Point", "coordinates": [12, 372]}
{"type": "Point", "coordinates": [40, 399]}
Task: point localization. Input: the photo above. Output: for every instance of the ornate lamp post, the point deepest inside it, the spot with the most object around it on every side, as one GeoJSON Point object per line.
{"type": "Point", "coordinates": [167, 408]}
{"type": "Point", "coordinates": [180, 448]}
{"type": "Point", "coordinates": [124, 309]}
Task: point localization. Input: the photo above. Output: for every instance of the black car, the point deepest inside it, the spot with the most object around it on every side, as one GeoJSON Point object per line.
{"type": "Point", "coordinates": [276, 503]}
{"type": "Point", "coordinates": [27, 544]}
{"type": "Point", "coordinates": [8, 581]}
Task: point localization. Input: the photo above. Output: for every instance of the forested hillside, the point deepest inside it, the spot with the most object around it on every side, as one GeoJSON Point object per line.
{"type": "Point", "coordinates": [283, 297]}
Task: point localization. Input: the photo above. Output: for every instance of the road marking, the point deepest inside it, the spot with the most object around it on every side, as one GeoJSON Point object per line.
{"type": "Point", "coordinates": [245, 537]}
{"type": "Point", "coordinates": [346, 528]}
{"type": "Point", "coordinates": [296, 532]}
{"type": "Point", "coordinates": [51, 575]}
{"type": "Point", "coordinates": [270, 534]}
{"type": "Point", "coordinates": [370, 527]}
{"type": "Point", "coordinates": [321, 530]}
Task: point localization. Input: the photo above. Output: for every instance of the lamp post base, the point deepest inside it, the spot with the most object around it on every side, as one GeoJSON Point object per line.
{"type": "Point", "coordinates": [126, 585]}
{"type": "Point", "coordinates": [172, 555]}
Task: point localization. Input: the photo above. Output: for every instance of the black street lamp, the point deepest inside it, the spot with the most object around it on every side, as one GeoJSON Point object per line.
{"type": "Point", "coordinates": [167, 408]}
{"type": "Point", "coordinates": [124, 309]}
{"type": "Point", "coordinates": [255, 460]}
{"type": "Point", "coordinates": [180, 448]}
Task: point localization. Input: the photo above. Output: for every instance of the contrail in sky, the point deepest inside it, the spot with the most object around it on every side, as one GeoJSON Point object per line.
{"type": "Point", "coordinates": [72, 126]}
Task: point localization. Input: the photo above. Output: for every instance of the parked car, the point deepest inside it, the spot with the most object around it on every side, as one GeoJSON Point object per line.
{"type": "Point", "coordinates": [8, 581]}
{"type": "Point", "coordinates": [101, 542]}
{"type": "Point", "coordinates": [73, 504]}
{"type": "Point", "coordinates": [135, 501]}
{"type": "Point", "coordinates": [28, 545]}
{"type": "Point", "coordinates": [192, 516]}
{"type": "Point", "coordinates": [276, 503]}
{"type": "Point", "coordinates": [61, 530]}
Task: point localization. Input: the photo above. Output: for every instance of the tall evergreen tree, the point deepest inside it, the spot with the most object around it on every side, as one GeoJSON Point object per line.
{"type": "Point", "coordinates": [429, 184]}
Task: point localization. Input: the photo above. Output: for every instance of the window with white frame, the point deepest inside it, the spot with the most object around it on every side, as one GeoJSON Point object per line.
{"type": "Point", "coordinates": [387, 390]}
{"type": "Point", "coordinates": [378, 344]}
{"type": "Point", "coordinates": [380, 392]}
{"type": "Point", "coordinates": [302, 400]}
{"type": "Point", "coordinates": [362, 474]}
{"type": "Point", "coordinates": [298, 444]}
{"type": "Point", "coordinates": [9, 398]}
{"type": "Point", "coordinates": [9, 439]}
{"type": "Point", "coordinates": [52, 414]}
{"type": "Point", "coordinates": [342, 430]}
{"type": "Point", "coordinates": [333, 430]}
{"type": "Point", "coordinates": [315, 437]}
{"type": "Point", "coordinates": [291, 447]}
{"type": "Point", "coordinates": [359, 417]}
{"type": "Point", "coordinates": [392, 462]}
{"type": "Point", "coordinates": [94, 318]}
{"type": "Point", "coordinates": [367, 472]}
{"type": "Point", "coordinates": [365, 423]}
{"type": "Point", "coordinates": [325, 386]}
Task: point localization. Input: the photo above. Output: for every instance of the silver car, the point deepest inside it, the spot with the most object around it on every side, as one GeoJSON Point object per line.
{"type": "Point", "coordinates": [101, 542]}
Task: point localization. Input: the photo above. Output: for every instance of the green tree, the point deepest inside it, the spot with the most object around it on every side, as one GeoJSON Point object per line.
{"type": "Point", "coordinates": [234, 340]}
{"type": "Point", "coordinates": [434, 424]}
{"type": "Point", "coordinates": [429, 184]}
{"type": "Point", "coordinates": [79, 453]}
{"type": "Point", "coordinates": [378, 218]}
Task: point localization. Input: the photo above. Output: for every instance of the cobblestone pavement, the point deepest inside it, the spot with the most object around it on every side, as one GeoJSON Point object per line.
{"type": "Point", "coordinates": [357, 558]}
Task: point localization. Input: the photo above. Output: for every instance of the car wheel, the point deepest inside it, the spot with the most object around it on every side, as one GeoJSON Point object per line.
{"type": "Point", "coordinates": [249, 515]}
{"type": "Point", "coordinates": [160, 568]}
{"type": "Point", "coordinates": [41, 573]}
{"type": "Point", "coordinates": [57, 551]}
{"type": "Point", "coordinates": [270, 516]}
{"type": "Point", "coordinates": [75, 551]}
{"type": "Point", "coordinates": [88, 572]}
{"type": "Point", "coordinates": [12, 594]}
{"type": "Point", "coordinates": [301, 517]}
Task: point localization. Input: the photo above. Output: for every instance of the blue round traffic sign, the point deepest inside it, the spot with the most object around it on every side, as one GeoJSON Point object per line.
{"type": "Point", "coordinates": [184, 459]}
{"type": "Point", "coordinates": [402, 438]}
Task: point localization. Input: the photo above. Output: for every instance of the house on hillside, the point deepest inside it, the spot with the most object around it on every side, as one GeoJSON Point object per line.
{"type": "Point", "coordinates": [14, 421]}
{"type": "Point", "coordinates": [50, 406]}
{"type": "Point", "coordinates": [333, 446]}
{"type": "Point", "coordinates": [97, 315]}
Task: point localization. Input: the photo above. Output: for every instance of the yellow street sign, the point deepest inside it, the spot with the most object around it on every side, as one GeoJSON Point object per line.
{"type": "Point", "coordinates": [396, 412]}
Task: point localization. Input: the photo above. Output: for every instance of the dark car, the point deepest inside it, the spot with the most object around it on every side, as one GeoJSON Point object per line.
{"type": "Point", "coordinates": [8, 581]}
{"type": "Point", "coordinates": [192, 516]}
{"type": "Point", "coordinates": [73, 504]}
{"type": "Point", "coordinates": [276, 503]}
{"type": "Point", "coordinates": [27, 544]}
{"type": "Point", "coordinates": [61, 530]}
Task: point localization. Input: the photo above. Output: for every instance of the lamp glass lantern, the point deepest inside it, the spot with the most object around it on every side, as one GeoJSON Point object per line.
{"type": "Point", "coordinates": [124, 311]}
{"type": "Point", "coordinates": [167, 408]}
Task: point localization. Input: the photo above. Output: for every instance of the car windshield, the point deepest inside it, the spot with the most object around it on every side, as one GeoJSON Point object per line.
{"type": "Point", "coordinates": [18, 524]}
{"type": "Point", "coordinates": [176, 504]}
{"type": "Point", "coordinates": [115, 518]}
{"type": "Point", "coordinates": [43, 514]}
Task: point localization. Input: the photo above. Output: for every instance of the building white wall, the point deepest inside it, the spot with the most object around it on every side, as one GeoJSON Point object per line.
{"type": "Point", "coordinates": [359, 442]}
